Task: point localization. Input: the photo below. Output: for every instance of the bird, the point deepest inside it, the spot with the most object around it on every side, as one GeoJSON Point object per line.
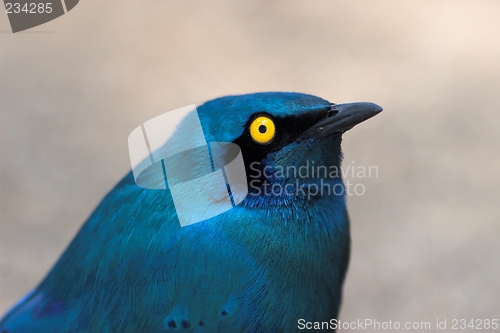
{"type": "Point", "coordinates": [262, 266]}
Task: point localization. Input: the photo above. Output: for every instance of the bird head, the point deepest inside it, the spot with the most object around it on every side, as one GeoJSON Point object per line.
{"type": "Point", "coordinates": [285, 138]}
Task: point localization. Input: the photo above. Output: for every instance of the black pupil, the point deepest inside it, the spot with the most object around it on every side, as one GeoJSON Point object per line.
{"type": "Point", "coordinates": [262, 129]}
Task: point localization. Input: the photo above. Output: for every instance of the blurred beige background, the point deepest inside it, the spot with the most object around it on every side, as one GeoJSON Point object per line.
{"type": "Point", "coordinates": [426, 242]}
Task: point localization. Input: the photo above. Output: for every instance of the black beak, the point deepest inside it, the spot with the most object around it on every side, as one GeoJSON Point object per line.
{"type": "Point", "coordinates": [343, 117]}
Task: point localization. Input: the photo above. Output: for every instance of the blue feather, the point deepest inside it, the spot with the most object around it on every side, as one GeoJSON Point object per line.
{"type": "Point", "coordinates": [259, 267]}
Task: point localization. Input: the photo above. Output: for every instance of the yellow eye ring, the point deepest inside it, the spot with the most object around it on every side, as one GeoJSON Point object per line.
{"type": "Point", "coordinates": [262, 130]}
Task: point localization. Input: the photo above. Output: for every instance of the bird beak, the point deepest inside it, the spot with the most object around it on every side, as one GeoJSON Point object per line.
{"type": "Point", "coordinates": [343, 117]}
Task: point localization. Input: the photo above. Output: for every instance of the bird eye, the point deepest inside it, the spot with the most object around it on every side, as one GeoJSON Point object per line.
{"type": "Point", "coordinates": [262, 130]}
